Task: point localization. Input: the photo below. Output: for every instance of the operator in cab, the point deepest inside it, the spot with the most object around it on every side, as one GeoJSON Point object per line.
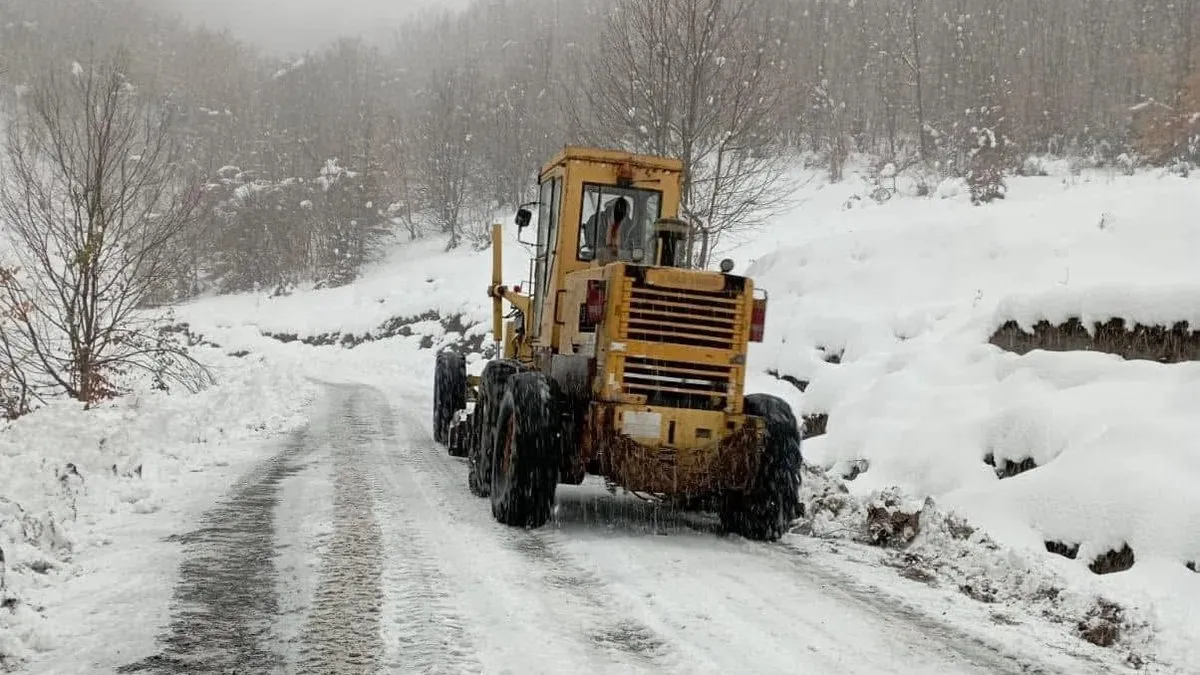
{"type": "Point", "coordinates": [607, 222]}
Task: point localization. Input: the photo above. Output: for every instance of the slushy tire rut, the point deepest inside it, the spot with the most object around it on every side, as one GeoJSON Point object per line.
{"type": "Point", "coordinates": [226, 605]}
{"type": "Point", "coordinates": [342, 633]}
{"type": "Point", "coordinates": [225, 599]}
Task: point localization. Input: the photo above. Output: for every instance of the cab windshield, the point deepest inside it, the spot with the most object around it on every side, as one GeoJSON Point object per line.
{"type": "Point", "coordinates": [617, 223]}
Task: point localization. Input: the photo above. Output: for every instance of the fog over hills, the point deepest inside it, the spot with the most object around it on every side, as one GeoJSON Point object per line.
{"type": "Point", "coordinates": [284, 26]}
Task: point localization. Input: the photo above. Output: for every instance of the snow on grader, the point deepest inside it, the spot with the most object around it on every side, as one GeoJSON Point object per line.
{"type": "Point", "coordinates": [622, 361]}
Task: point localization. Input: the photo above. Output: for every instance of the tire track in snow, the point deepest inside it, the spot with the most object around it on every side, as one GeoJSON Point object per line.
{"type": "Point", "coordinates": [342, 631]}
{"type": "Point", "coordinates": [423, 632]}
{"type": "Point", "coordinates": [612, 634]}
{"type": "Point", "coordinates": [979, 649]}
{"type": "Point", "coordinates": [225, 599]}
{"type": "Point", "coordinates": [583, 608]}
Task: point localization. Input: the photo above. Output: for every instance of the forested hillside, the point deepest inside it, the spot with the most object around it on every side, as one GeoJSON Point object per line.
{"type": "Point", "coordinates": [308, 161]}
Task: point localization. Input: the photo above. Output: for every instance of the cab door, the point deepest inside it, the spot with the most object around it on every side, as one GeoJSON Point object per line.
{"type": "Point", "coordinates": [550, 204]}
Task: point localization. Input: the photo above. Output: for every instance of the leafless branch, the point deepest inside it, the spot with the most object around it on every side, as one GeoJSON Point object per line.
{"type": "Point", "coordinates": [699, 80]}
{"type": "Point", "coordinates": [94, 203]}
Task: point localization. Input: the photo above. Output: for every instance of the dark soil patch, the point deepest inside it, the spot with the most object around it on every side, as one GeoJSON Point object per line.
{"type": "Point", "coordinates": [888, 524]}
{"type": "Point", "coordinates": [1103, 623]}
{"type": "Point", "coordinates": [914, 567]}
{"type": "Point", "coordinates": [959, 528]}
{"type": "Point", "coordinates": [1003, 620]}
{"type": "Point", "coordinates": [857, 468]}
{"type": "Point", "coordinates": [1192, 566]}
{"type": "Point", "coordinates": [394, 327]}
{"type": "Point", "coordinates": [1007, 469]}
{"type": "Point", "coordinates": [39, 566]}
{"type": "Point", "coordinates": [815, 425]}
{"type": "Point", "coordinates": [792, 380]}
{"type": "Point", "coordinates": [919, 574]}
{"type": "Point", "coordinates": [1060, 548]}
{"type": "Point", "coordinates": [1176, 344]}
{"type": "Point", "coordinates": [1048, 593]}
{"type": "Point", "coordinates": [1113, 561]}
{"type": "Point", "coordinates": [830, 355]}
{"type": "Point", "coordinates": [981, 591]}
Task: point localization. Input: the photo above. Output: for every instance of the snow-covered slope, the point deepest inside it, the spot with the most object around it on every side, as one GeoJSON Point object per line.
{"type": "Point", "coordinates": [884, 312]}
{"type": "Point", "coordinates": [907, 295]}
{"type": "Point", "coordinates": [414, 278]}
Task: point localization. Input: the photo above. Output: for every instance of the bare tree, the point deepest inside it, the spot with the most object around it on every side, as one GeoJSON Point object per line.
{"type": "Point", "coordinates": [699, 80]}
{"type": "Point", "coordinates": [446, 129]}
{"type": "Point", "coordinates": [453, 119]}
{"type": "Point", "coordinates": [398, 162]}
{"type": "Point", "coordinates": [93, 206]}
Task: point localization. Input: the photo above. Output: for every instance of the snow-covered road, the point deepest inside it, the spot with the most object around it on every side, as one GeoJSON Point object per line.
{"type": "Point", "coordinates": [357, 548]}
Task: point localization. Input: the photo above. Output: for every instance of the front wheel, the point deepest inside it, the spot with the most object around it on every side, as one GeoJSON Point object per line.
{"type": "Point", "coordinates": [449, 392]}
{"type": "Point", "coordinates": [526, 451]}
{"type": "Point", "coordinates": [766, 510]}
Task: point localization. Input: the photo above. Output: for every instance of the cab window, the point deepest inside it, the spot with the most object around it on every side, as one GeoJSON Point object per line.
{"type": "Point", "coordinates": [620, 220]}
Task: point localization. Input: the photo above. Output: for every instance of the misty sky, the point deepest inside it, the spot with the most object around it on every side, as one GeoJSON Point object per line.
{"type": "Point", "coordinates": [292, 25]}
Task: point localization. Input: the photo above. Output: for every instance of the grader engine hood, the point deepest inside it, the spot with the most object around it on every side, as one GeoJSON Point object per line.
{"type": "Point", "coordinates": [670, 370]}
{"type": "Point", "coordinates": [676, 338]}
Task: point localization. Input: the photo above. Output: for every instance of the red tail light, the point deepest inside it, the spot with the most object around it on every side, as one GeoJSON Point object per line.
{"type": "Point", "coordinates": [596, 297]}
{"type": "Point", "coordinates": [758, 320]}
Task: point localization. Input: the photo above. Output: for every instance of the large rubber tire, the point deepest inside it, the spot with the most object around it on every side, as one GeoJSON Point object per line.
{"type": "Point", "coordinates": [766, 511]}
{"type": "Point", "coordinates": [479, 455]}
{"type": "Point", "coordinates": [527, 451]}
{"type": "Point", "coordinates": [449, 391]}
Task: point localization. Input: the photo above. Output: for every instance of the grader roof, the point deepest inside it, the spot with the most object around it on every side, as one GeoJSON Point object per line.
{"type": "Point", "coordinates": [589, 154]}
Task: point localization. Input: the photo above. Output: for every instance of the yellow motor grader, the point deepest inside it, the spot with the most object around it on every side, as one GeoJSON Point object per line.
{"type": "Point", "coordinates": [621, 360]}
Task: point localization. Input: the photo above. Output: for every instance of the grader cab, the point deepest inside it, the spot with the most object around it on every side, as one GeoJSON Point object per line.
{"type": "Point", "coordinates": [621, 360]}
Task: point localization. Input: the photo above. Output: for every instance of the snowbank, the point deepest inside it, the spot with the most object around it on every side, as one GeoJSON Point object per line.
{"type": "Point", "coordinates": [85, 494]}
{"type": "Point", "coordinates": [1148, 306]}
{"type": "Point", "coordinates": [907, 295]}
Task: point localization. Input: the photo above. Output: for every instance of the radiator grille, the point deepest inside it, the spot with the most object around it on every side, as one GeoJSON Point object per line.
{"type": "Point", "coordinates": [677, 385]}
{"type": "Point", "coordinates": [682, 317]}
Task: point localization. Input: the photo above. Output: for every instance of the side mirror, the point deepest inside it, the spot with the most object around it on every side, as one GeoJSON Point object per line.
{"type": "Point", "coordinates": [523, 218]}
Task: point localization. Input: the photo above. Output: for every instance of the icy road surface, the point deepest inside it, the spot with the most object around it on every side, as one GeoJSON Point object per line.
{"type": "Point", "coordinates": [358, 548]}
